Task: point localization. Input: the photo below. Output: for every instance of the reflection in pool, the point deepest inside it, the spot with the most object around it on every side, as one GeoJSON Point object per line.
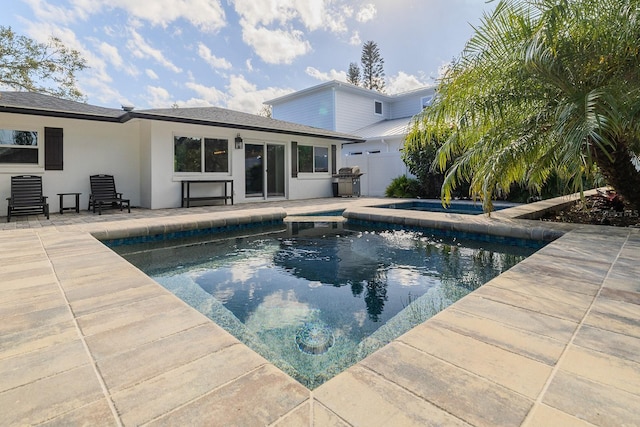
{"type": "Point", "coordinates": [314, 298]}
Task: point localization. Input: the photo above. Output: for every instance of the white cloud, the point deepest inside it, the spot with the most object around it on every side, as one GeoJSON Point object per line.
{"type": "Point", "coordinates": [207, 15]}
{"type": "Point", "coordinates": [158, 97]}
{"type": "Point", "coordinates": [209, 94]}
{"type": "Point", "coordinates": [141, 49]}
{"type": "Point", "coordinates": [366, 13]}
{"type": "Point", "coordinates": [111, 54]}
{"type": "Point", "coordinates": [249, 65]}
{"type": "Point", "coordinates": [205, 53]}
{"type": "Point", "coordinates": [245, 96]}
{"type": "Point", "coordinates": [269, 24]}
{"type": "Point", "coordinates": [52, 13]}
{"type": "Point", "coordinates": [355, 39]}
{"type": "Point", "coordinates": [443, 68]}
{"type": "Point", "coordinates": [151, 74]}
{"type": "Point", "coordinates": [403, 82]}
{"type": "Point", "coordinates": [331, 75]}
{"type": "Point", "coordinates": [313, 14]}
{"type": "Point", "coordinates": [276, 46]}
{"type": "Point", "coordinates": [95, 81]}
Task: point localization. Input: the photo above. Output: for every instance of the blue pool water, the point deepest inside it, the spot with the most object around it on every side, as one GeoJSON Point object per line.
{"type": "Point", "coordinates": [315, 298]}
{"type": "Point", "coordinates": [457, 206]}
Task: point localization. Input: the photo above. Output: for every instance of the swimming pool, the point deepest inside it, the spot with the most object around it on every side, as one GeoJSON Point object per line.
{"type": "Point", "coordinates": [315, 298]}
{"type": "Point", "coordinates": [457, 206]}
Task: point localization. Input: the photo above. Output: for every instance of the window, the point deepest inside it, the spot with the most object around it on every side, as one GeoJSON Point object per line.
{"type": "Point", "coordinates": [377, 107]}
{"type": "Point", "coordinates": [18, 146]}
{"type": "Point", "coordinates": [313, 159]}
{"type": "Point", "coordinates": [216, 155]}
{"type": "Point", "coordinates": [195, 154]}
{"type": "Point", "coordinates": [321, 157]}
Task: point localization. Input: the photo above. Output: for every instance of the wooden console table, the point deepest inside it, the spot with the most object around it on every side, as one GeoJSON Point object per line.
{"type": "Point", "coordinates": [186, 195]}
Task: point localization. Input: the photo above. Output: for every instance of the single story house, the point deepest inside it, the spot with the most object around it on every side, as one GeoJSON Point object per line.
{"type": "Point", "coordinates": [151, 152]}
{"type": "Point", "coordinates": [380, 121]}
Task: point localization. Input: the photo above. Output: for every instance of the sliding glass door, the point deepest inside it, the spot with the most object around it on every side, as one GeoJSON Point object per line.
{"type": "Point", "coordinates": [264, 177]}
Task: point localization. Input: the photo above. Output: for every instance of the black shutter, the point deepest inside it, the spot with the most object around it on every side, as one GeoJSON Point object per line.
{"type": "Point", "coordinates": [294, 159]}
{"type": "Point", "coordinates": [53, 153]}
{"type": "Point", "coordinates": [334, 156]}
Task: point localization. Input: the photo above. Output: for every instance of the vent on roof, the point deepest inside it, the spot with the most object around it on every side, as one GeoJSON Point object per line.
{"type": "Point", "coordinates": [127, 107]}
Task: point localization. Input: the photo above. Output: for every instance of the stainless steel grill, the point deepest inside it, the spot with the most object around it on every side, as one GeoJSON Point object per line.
{"type": "Point", "coordinates": [348, 181]}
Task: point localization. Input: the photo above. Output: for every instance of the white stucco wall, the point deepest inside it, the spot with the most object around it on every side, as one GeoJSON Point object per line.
{"type": "Point", "coordinates": [165, 184]}
{"type": "Point", "coordinates": [139, 154]}
{"type": "Point", "coordinates": [90, 147]}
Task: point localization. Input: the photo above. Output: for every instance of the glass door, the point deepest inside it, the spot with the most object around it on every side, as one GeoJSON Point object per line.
{"type": "Point", "coordinates": [275, 170]}
{"type": "Point", "coordinates": [258, 173]}
{"type": "Point", "coordinates": [254, 170]}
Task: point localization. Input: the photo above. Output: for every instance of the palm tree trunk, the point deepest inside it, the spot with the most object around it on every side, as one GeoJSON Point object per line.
{"type": "Point", "coordinates": [621, 173]}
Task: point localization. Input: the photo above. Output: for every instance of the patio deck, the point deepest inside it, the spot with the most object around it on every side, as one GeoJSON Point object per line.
{"type": "Point", "coordinates": [87, 339]}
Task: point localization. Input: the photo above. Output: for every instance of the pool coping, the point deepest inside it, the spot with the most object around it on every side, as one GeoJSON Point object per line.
{"type": "Point", "coordinates": [72, 352]}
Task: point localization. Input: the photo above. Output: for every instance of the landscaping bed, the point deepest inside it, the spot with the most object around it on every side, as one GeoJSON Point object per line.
{"type": "Point", "coordinates": [600, 209]}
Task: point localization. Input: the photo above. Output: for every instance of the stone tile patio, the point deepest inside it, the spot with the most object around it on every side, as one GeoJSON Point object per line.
{"type": "Point", "coordinates": [87, 339]}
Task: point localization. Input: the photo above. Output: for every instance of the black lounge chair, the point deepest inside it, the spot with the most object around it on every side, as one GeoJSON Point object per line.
{"type": "Point", "coordinates": [26, 197]}
{"type": "Point", "coordinates": [104, 194]}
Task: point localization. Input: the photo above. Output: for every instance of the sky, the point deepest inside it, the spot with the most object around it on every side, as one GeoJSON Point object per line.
{"type": "Point", "coordinates": [237, 54]}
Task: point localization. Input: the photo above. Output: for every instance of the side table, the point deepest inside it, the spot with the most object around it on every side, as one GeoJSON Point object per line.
{"type": "Point", "coordinates": [77, 205]}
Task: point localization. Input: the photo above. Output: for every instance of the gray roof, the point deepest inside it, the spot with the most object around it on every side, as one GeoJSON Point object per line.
{"type": "Point", "coordinates": [37, 103]}
{"type": "Point", "coordinates": [44, 105]}
{"type": "Point", "coordinates": [348, 87]}
{"type": "Point", "coordinates": [215, 116]}
{"type": "Point", "coordinates": [385, 129]}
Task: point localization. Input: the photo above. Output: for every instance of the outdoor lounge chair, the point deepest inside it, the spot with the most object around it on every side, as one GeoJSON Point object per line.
{"type": "Point", "coordinates": [26, 197]}
{"type": "Point", "coordinates": [104, 194]}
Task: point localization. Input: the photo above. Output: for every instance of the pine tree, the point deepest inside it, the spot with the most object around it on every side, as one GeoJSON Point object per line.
{"type": "Point", "coordinates": [353, 75]}
{"type": "Point", "coordinates": [372, 67]}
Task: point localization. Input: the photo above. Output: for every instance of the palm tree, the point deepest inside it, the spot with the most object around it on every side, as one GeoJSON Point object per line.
{"type": "Point", "coordinates": [543, 86]}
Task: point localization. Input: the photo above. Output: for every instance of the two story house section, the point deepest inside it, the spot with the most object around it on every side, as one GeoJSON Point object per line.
{"type": "Point", "coordinates": [379, 119]}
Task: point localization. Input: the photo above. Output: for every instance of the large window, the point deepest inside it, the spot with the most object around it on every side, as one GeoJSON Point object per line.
{"type": "Point", "coordinates": [18, 146]}
{"type": "Point", "coordinates": [313, 159]}
{"type": "Point", "coordinates": [196, 154]}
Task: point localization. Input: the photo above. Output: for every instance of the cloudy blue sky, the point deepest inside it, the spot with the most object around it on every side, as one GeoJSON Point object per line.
{"type": "Point", "coordinates": [238, 53]}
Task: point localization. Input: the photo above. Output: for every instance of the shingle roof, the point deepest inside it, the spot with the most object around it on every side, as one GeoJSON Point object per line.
{"type": "Point", "coordinates": [214, 116]}
{"type": "Point", "coordinates": [39, 103]}
{"type": "Point", "coordinates": [45, 105]}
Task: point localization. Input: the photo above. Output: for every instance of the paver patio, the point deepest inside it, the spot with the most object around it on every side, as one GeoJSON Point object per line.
{"type": "Point", "coordinates": [88, 339]}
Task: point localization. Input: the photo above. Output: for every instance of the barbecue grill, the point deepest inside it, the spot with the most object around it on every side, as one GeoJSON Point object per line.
{"type": "Point", "coordinates": [348, 181]}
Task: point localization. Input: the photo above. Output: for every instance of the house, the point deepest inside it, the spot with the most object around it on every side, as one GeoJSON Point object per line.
{"type": "Point", "coordinates": [151, 152]}
{"type": "Point", "coordinates": [380, 120]}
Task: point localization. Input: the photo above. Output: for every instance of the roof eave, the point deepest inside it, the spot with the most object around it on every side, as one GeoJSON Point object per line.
{"type": "Point", "coordinates": [238, 126]}
{"type": "Point", "coordinates": [60, 114]}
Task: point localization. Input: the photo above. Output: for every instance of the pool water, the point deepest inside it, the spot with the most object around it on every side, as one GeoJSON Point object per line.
{"type": "Point", "coordinates": [315, 298]}
{"type": "Point", "coordinates": [456, 206]}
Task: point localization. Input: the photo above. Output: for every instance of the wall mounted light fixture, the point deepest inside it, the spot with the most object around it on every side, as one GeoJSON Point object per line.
{"type": "Point", "coordinates": [238, 141]}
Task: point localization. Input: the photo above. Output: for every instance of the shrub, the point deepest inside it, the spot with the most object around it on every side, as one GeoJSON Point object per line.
{"type": "Point", "coordinates": [403, 187]}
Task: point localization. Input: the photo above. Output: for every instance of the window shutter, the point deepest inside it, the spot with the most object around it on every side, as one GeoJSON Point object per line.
{"type": "Point", "coordinates": [294, 159]}
{"type": "Point", "coordinates": [53, 152]}
{"type": "Point", "coordinates": [334, 156]}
